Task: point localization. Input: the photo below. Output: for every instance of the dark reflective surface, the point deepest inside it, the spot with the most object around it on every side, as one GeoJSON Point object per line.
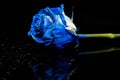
{"type": "Point", "coordinates": [17, 51]}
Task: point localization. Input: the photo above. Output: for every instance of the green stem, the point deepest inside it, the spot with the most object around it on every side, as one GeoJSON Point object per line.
{"type": "Point", "coordinates": [101, 35]}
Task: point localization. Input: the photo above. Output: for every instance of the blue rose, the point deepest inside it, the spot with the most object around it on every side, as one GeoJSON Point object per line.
{"type": "Point", "coordinates": [51, 27]}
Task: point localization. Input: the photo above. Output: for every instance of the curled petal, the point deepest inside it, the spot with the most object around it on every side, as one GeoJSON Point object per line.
{"type": "Point", "coordinates": [51, 27]}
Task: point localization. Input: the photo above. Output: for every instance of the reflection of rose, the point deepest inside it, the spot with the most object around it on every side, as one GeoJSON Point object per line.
{"type": "Point", "coordinates": [51, 27]}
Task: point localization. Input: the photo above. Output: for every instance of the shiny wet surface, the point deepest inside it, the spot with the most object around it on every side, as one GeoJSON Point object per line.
{"type": "Point", "coordinates": [17, 51]}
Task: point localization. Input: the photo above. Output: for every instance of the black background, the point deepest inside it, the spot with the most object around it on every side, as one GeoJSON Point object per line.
{"type": "Point", "coordinates": [17, 49]}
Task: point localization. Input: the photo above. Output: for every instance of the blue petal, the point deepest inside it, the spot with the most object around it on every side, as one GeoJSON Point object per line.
{"type": "Point", "coordinates": [46, 29]}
